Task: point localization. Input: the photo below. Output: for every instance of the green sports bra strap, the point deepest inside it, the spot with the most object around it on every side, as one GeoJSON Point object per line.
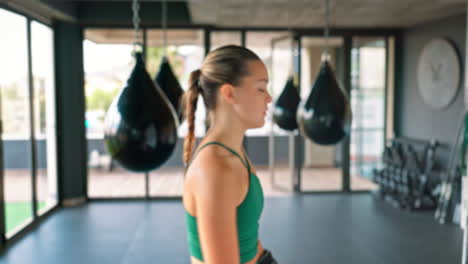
{"type": "Point", "coordinates": [244, 161]}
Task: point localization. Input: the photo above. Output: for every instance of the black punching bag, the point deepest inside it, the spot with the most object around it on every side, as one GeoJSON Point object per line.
{"type": "Point", "coordinates": [325, 116]}
{"type": "Point", "coordinates": [140, 129]}
{"type": "Point", "coordinates": [168, 82]}
{"type": "Point", "coordinates": [285, 107]}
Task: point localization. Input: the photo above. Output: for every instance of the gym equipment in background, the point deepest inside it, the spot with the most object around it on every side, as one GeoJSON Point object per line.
{"type": "Point", "coordinates": [285, 107]}
{"type": "Point", "coordinates": [405, 177]}
{"type": "Point", "coordinates": [140, 128]}
{"type": "Point", "coordinates": [325, 116]}
{"type": "Point", "coordinates": [165, 77]}
{"type": "Point", "coordinates": [464, 191]}
{"type": "Point", "coordinates": [451, 183]}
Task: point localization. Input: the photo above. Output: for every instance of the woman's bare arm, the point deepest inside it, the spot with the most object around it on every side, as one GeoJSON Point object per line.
{"type": "Point", "coordinates": [217, 195]}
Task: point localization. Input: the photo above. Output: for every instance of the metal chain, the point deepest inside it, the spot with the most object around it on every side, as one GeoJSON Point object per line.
{"type": "Point", "coordinates": [291, 68]}
{"type": "Point", "coordinates": [287, 18]}
{"type": "Point", "coordinates": [136, 25]}
{"type": "Point", "coordinates": [164, 26]}
{"type": "Point", "coordinates": [327, 25]}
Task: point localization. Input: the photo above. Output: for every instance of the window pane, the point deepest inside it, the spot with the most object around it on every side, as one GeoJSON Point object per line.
{"type": "Point", "coordinates": [44, 115]}
{"type": "Point", "coordinates": [368, 103]}
{"type": "Point", "coordinates": [16, 120]}
{"type": "Point", "coordinates": [185, 51]}
{"type": "Point", "coordinates": [108, 62]}
{"type": "Point", "coordinates": [322, 169]}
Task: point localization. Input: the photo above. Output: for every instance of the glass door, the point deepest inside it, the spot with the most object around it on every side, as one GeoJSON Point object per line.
{"type": "Point", "coordinates": [368, 81]}
{"type": "Point", "coordinates": [322, 164]}
{"type": "Point", "coordinates": [281, 142]}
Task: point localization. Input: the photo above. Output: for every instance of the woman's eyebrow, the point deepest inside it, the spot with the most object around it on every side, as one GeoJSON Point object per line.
{"type": "Point", "coordinates": [263, 80]}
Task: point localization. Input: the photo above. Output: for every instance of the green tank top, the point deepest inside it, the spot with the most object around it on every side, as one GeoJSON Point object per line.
{"type": "Point", "coordinates": [248, 215]}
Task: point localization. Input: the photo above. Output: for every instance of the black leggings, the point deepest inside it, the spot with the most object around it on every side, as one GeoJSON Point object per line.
{"type": "Point", "coordinates": [267, 258]}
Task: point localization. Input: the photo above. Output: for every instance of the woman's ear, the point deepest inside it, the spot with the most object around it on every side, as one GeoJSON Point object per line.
{"type": "Point", "coordinates": [227, 92]}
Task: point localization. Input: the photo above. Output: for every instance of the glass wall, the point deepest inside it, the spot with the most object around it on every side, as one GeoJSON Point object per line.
{"type": "Point", "coordinates": [16, 120]}
{"type": "Point", "coordinates": [44, 115]}
{"type": "Point", "coordinates": [108, 62]}
{"type": "Point", "coordinates": [185, 52]}
{"type": "Point", "coordinates": [276, 50]}
{"type": "Point", "coordinates": [322, 168]}
{"type": "Point", "coordinates": [368, 70]}
{"type": "Point", "coordinates": [16, 98]}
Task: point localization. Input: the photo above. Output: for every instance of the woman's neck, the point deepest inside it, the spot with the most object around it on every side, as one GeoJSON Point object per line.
{"type": "Point", "coordinates": [232, 137]}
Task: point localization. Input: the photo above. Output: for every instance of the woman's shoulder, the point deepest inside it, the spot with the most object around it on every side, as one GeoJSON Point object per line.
{"type": "Point", "coordinates": [214, 173]}
{"type": "Point", "coordinates": [214, 164]}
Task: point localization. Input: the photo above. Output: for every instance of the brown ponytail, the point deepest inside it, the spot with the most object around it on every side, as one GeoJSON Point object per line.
{"type": "Point", "coordinates": [190, 101]}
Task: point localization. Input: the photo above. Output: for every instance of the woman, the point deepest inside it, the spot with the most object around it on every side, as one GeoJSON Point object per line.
{"type": "Point", "coordinates": [222, 197]}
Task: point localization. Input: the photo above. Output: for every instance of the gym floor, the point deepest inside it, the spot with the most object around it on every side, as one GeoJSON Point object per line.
{"type": "Point", "coordinates": [321, 228]}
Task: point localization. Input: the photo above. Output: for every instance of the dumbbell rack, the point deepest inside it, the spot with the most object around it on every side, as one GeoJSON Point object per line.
{"type": "Point", "coordinates": [404, 179]}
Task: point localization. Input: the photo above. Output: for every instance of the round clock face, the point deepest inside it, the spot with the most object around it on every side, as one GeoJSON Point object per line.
{"type": "Point", "coordinates": [438, 73]}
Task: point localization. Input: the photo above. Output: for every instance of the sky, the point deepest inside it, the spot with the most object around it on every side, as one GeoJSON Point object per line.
{"type": "Point", "coordinates": [13, 48]}
{"type": "Point", "coordinates": [99, 57]}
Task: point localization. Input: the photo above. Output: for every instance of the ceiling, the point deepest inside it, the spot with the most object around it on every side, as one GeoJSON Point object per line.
{"type": "Point", "coordinates": [289, 13]}
{"type": "Point", "coordinates": [310, 13]}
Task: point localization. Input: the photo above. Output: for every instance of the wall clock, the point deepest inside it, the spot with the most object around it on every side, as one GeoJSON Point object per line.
{"type": "Point", "coordinates": [438, 73]}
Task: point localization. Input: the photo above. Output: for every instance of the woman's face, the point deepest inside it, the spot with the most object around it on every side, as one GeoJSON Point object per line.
{"type": "Point", "coordinates": [252, 97]}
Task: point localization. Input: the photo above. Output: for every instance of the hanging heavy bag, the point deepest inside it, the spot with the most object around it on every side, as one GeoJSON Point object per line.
{"type": "Point", "coordinates": [285, 107]}
{"type": "Point", "coordinates": [168, 82]}
{"type": "Point", "coordinates": [140, 128]}
{"type": "Point", "coordinates": [325, 116]}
